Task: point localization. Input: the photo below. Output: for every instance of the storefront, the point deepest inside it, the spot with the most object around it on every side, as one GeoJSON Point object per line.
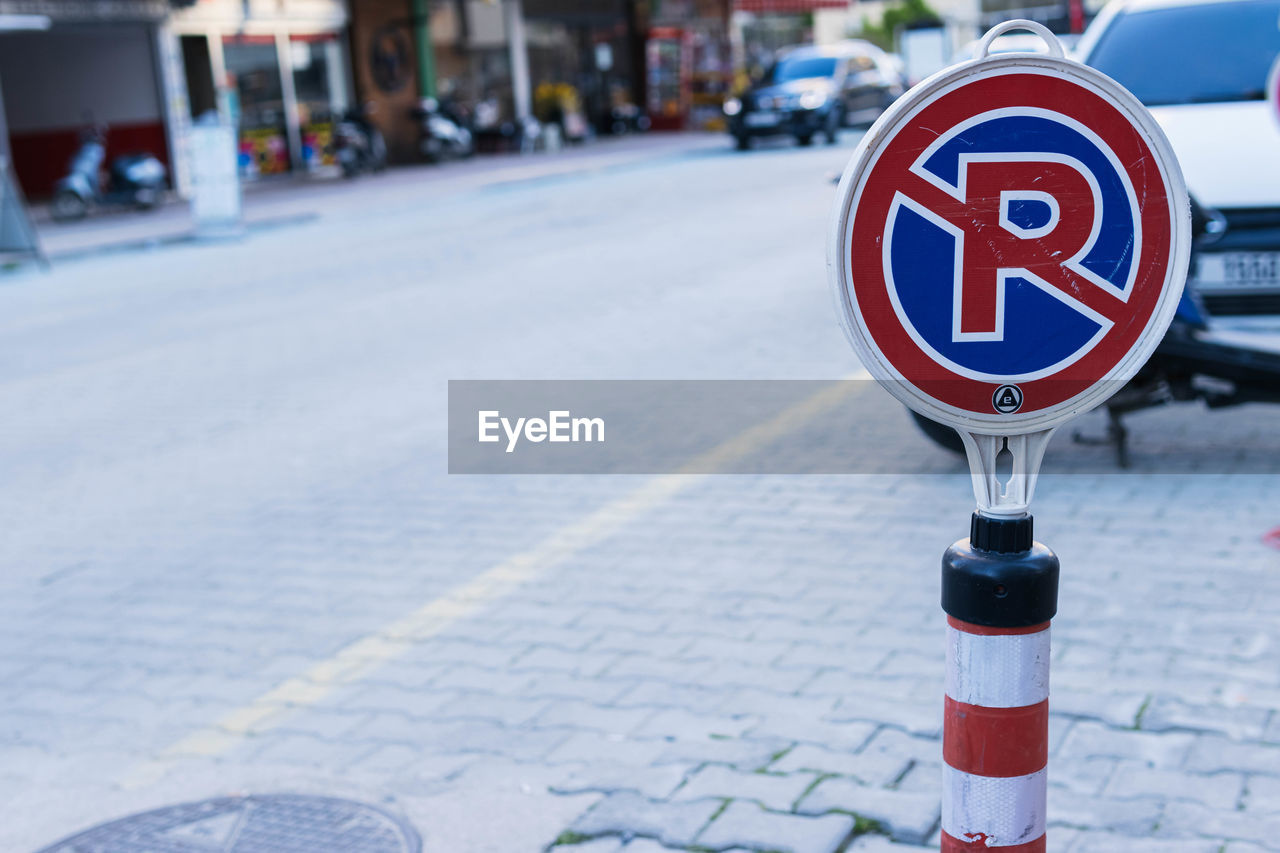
{"type": "Point", "coordinates": [95, 65]}
{"type": "Point", "coordinates": [279, 66]}
{"type": "Point", "coordinates": [593, 46]}
{"type": "Point", "coordinates": [689, 64]}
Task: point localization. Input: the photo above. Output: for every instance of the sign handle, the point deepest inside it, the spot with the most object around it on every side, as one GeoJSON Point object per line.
{"type": "Point", "coordinates": [1005, 469]}
{"type": "Point", "coordinates": [1055, 46]}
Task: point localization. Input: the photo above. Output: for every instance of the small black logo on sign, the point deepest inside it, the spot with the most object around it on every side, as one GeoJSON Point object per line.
{"type": "Point", "coordinates": [1007, 399]}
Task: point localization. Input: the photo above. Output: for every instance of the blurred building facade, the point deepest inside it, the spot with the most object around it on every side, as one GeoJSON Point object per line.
{"type": "Point", "coordinates": [285, 70]}
{"type": "Point", "coordinates": [768, 25]}
{"type": "Point", "coordinates": [966, 20]}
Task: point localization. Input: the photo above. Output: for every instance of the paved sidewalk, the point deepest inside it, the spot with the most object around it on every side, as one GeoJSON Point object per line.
{"type": "Point", "coordinates": [764, 675]}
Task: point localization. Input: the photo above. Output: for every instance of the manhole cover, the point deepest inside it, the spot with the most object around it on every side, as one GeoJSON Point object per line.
{"type": "Point", "coordinates": [281, 823]}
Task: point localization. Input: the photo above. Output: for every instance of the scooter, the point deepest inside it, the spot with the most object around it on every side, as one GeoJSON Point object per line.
{"type": "Point", "coordinates": [443, 135]}
{"type": "Point", "coordinates": [1194, 362]}
{"type": "Point", "coordinates": [358, 145]}
{"type": "Point", "coordinates": [136, 180]}
{"type": "Point", "coordinates": [626, 118]}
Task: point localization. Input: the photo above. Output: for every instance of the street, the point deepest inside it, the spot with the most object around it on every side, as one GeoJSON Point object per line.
{"type": "Point", "coordinates": [234, 560]}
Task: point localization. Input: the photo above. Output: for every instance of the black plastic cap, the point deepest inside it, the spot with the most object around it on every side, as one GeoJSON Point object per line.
{"type": "Point", "coordinates": [1000, 590]}
{"type": "Point", "coordinates": [1001, 535]}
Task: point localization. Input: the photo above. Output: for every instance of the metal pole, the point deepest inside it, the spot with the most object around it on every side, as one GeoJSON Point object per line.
{"type": "Point", "coordinates": [999, 591]}
{"type": "Point", "coordinates": [4, 130]}
{"type": "Point", "coordinates": [519, 52]}
{"type": "Point", "coordinates": [426, 50]}
{"type": "Point", "coordinates": [175, 106]}
{"type": "Point", "coordinates": [1075, 13]}
{"type": "Point", "coordinates": [218, 65]}
{"type": "Point", "coordinates": [292, 124]}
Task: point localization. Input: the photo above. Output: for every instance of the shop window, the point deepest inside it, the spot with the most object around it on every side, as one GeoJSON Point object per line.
{"type": "Point", "coordinates": [318, 82]}
{"type": "Point", "coordinates": [254, 66]}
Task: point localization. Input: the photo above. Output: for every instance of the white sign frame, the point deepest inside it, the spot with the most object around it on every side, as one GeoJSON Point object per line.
{"type": "Point", "coordinates": [839, 264]}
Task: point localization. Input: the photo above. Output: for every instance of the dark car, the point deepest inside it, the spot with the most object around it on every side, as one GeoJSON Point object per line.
{"type": "Point", "coordinates": [812, 90]}
{"type": "Point", "coordinates": [1202, 68]}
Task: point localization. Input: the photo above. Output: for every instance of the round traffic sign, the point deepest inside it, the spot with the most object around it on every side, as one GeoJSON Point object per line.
{"type": "Point", "coordinates": [1009, 242]}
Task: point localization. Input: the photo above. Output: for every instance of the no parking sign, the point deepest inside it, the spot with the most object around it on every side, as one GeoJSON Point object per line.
{"type": "Point", "coordinates": [1010, 242]}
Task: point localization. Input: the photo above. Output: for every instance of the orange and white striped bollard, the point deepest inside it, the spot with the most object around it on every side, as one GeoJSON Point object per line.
{"type": "Point", "coordinates": [999, 590]}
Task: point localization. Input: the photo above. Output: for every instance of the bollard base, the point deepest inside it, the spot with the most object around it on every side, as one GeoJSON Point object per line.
{"type": "Point", "coordinates": [954, 845]}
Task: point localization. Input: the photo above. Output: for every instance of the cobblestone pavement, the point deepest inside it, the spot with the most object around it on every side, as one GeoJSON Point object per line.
{"type": "Point", "coordinates": [233, 562]}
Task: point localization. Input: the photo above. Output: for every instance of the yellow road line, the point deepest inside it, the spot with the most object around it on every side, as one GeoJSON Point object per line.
{"type": "Point", "coordinates": [356, 660]}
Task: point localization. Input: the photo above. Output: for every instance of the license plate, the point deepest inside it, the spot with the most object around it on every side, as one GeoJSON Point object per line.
{"type": "Point", "coordinates": [1238, 270]}
{"type": "Point", "coordinates": [763, 119]}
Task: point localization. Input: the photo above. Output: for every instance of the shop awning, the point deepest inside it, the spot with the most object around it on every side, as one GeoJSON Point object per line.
{"type": "Point", "coordinates": [787, 6]}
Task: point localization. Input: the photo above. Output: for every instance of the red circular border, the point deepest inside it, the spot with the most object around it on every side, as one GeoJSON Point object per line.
{"type": "Point", "coordinates": [899, 152]}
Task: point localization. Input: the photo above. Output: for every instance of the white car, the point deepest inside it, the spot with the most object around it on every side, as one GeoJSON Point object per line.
{"type": "Point", "coordinates": [1202, 67]}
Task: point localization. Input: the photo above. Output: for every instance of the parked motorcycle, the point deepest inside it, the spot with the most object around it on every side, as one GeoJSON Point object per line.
{"type": "Point", "coordinates": [135, 180]}
{"type": "Point", "coordinates": [1192, 363]}
{"type": "Point", "coordinates": [358, 145]}
{"type": "Point", "coordinates": [626, 118]}
{"type": "Point", "coordinates": [443, 134]}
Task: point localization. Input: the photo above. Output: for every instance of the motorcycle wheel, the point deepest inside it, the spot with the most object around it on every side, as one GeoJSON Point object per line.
{"type": "Point", "coordinates": [941, 435]}
{"type": "Point", "coordinates": [146, 198]}
{"type": "Point", "coordinates": [378, 149]}
{"type": "Point", "coordinates": [68, 206]}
